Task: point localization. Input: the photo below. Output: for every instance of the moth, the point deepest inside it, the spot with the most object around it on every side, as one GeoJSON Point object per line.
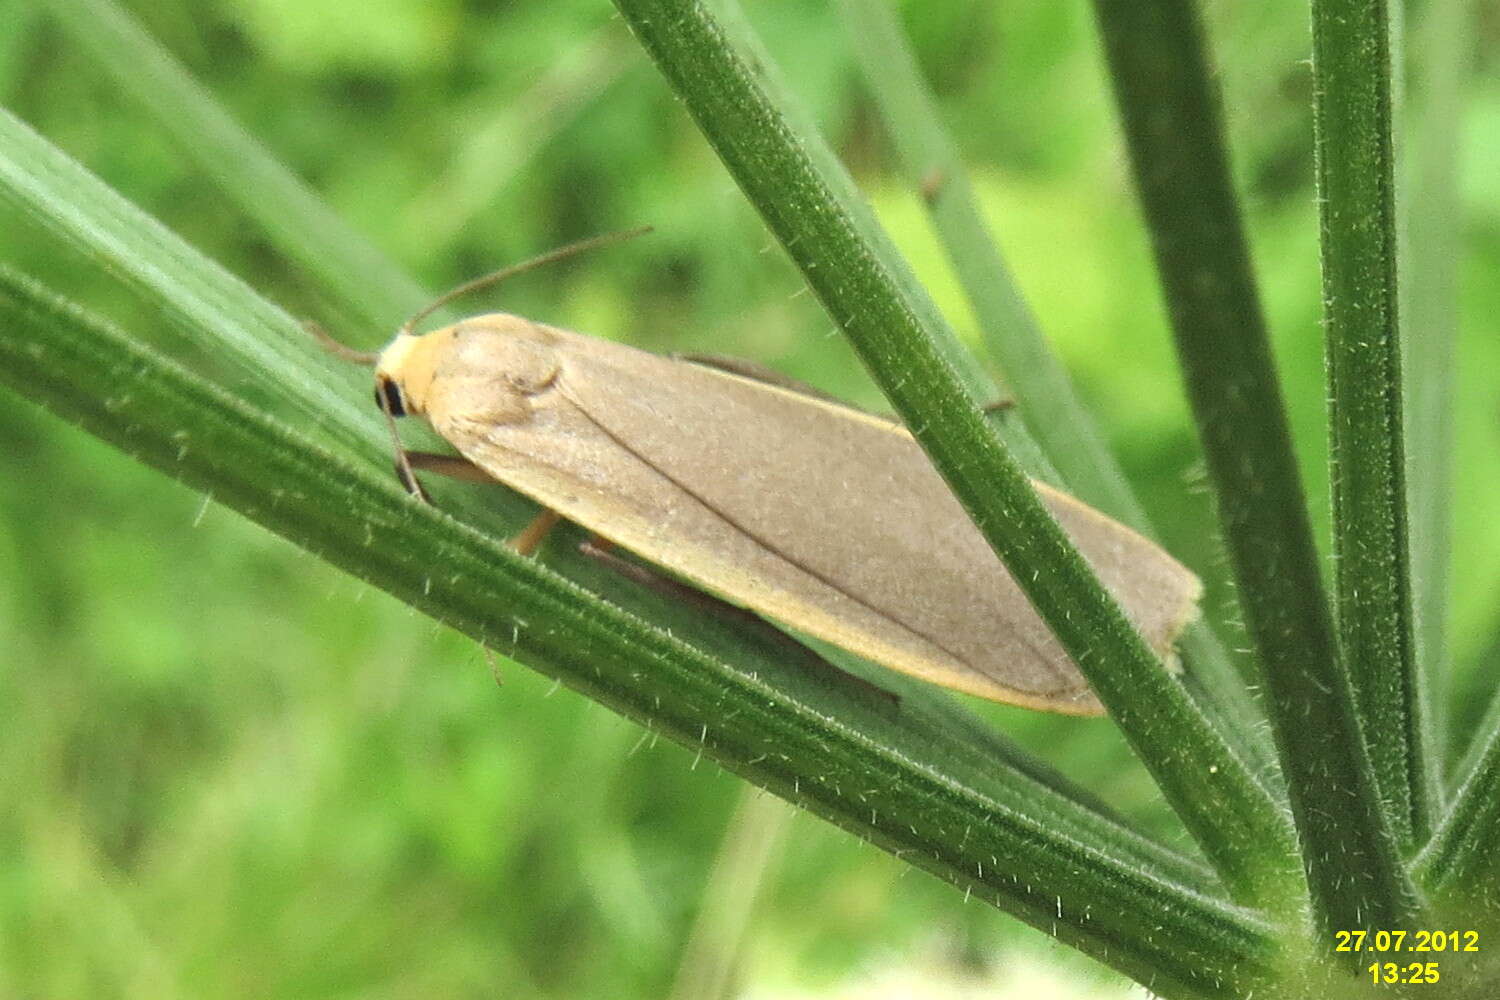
{"type": "Point", "coordinates": [815, 514]}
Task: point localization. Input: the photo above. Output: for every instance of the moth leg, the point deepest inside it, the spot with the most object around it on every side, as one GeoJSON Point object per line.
{"type": "Point", "coordinates": [601, 549]}
{"type": "Point", "coordinates": [451, 466]}
{"type": "Point", "coordinates": [457, 467]}
{"type": "Point", "coordinates": [531, 536]}
{"type": "Point", "coordinates": [406, 476]}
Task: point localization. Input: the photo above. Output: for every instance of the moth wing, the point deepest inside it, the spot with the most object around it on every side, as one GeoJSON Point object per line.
{"type": "Point", "coordinates": [861, 543]}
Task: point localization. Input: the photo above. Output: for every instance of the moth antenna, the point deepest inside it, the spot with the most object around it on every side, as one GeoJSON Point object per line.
{"type": "Point", "coordinates": [337, 349]}
{"type": "Point", "coordinates": [495, 277]}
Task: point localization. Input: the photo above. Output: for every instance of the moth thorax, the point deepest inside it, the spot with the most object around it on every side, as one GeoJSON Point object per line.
{"type": "Point", "coordinates": [486, 370]}
{"type": "Point", "coordinates": [504, 348]}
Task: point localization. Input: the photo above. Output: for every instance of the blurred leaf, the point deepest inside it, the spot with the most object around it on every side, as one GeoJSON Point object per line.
{"type": "Point", "coordinates": [1429, 312]}
{"type": "Point", "coordinates": [403, 36]}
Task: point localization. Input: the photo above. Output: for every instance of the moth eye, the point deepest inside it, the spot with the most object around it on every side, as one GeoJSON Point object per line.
{"type": "Point", "coordinates": [392, 398]}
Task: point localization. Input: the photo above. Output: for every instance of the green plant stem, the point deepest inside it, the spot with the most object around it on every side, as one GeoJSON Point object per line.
{"type": "Point", "coordinates": [1054, 414]}
{"type": "Point", "coordinates": [1353, 69]}
{"type": "Point", "coordinates": [1430, 318]}
{"type": "Point", "coordinates": [813, 209]}
{"type": "Point", "coordinates": [1044, 393]}
{"type": "Point", "coordinates": [1460, 862]}
{"type": "Point", "coordinates": [1481, 701]}
{"type": "Point", "coordinates": [1175, 133]}
{"type": "Point", "coordinates": [766, 722]}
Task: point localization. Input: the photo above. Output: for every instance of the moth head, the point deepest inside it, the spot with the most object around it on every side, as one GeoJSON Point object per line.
{"type": "Point", "coordinates": [403, 374]}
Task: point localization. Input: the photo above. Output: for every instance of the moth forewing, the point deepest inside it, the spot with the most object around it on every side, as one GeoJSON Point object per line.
{"type": "Point", "coordinates": [825, 518]}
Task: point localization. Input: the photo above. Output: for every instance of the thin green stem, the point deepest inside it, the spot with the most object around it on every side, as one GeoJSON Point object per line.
{"type": "Point", "coordinates": [1044, 393]}
{"type": "Point", "coordinates": [1481, 702]}
{"type": "Point", "coordinates": [1460, 863]}
{"type": "Point", "coordinates": [1175, 132]}
{"type": "Point", "coordinates": [1353, 68]}
{"type": "Point", "coordinates": [1061, 423]}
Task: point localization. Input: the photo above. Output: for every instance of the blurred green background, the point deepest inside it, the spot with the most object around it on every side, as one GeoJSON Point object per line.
{"type": "Point", "coordinates": [228, 770]}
